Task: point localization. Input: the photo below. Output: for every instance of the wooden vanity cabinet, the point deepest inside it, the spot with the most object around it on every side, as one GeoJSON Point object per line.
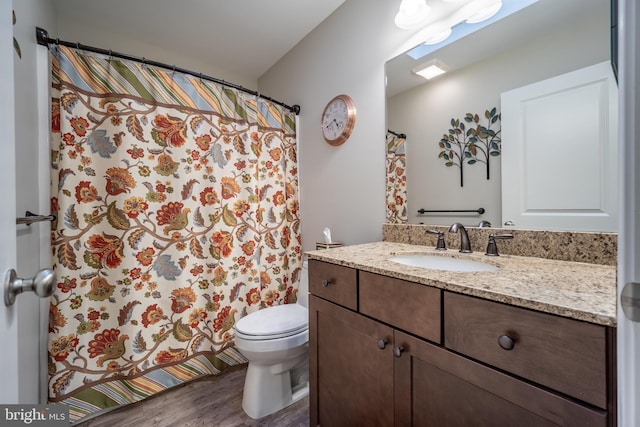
{"type": "Point", "coordinates": [384, 361]}
{"type": "Point", "coordinates": [436, 387]}
{"type": "Point", "coordinates": [350, 368]}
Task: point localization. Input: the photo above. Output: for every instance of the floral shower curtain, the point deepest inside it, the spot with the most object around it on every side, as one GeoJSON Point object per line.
{"type": "Point", "coordinates": [396, 179]}
{"type": "Point", "coordinates": [177, 207]}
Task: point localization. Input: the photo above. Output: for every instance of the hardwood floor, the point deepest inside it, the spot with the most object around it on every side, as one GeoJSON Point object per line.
{"type": "Point", "coordinates": [211, 402]}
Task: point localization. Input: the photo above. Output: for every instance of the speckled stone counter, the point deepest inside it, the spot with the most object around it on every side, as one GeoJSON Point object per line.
{"type": "Point", "coordinates": [571, 289]}
{"type": "Point", "coordinates": [591, 247]}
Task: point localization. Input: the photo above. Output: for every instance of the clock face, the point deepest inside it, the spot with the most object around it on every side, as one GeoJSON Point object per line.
{"type": "Point", "coordinates": [338, 119]}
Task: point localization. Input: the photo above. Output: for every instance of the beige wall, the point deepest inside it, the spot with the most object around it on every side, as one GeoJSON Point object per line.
{"type": "Point", "coordinates": [341, 187]}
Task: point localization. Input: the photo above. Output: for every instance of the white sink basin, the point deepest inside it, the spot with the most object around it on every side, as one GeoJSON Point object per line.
{"type": "Point", "coordinates": [443, 263]}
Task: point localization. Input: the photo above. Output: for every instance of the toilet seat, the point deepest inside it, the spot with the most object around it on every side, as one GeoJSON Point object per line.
{"type": "Point", "coordinates": [273, 322]}
{"type": "Point", "coordinates": [277, 345]}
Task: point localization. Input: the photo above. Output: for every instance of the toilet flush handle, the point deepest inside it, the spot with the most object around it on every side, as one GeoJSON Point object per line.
{"type": "Point", "coordinates": [326, 283]}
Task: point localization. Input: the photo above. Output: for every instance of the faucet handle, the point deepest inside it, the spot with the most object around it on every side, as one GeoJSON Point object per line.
{"type": "Point", "coordinates": [492, 247]}
{"type": "Point", "coordinates": [440, 246]}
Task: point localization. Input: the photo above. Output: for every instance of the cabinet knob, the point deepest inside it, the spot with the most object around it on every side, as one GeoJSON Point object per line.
{"type": "Point", "coordinates": [506, 342]}
{"type": "Point", "coordinates": [398, 350]}
{"type": "Point", "coordinates": [382, 343]}
{"type": "Point", "coordinates": [326, 283]}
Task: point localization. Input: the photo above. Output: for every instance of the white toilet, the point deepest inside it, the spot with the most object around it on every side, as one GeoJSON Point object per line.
{"type": "Point", "coordinates": [275, 342]}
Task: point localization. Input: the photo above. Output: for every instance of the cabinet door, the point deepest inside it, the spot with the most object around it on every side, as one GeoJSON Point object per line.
{"type": "Point", "coordinates": [412, 307]}
{"type": "Point", "coordinates": [351, 376]}
{"type": "Point", "coordinates": [435, 387]}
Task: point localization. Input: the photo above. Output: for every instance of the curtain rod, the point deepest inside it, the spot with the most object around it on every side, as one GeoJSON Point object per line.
{"type": "Point", "coordinates": [42, 37]}
{"type": "Point", "coordinates": [399, 135]}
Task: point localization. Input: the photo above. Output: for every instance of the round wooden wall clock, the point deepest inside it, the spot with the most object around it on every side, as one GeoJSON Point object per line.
{"type": "Point", "coordinates": [338, 119]}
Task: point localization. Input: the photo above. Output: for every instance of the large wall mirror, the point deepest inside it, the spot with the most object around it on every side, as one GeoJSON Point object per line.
{"type": "Point", "coordinates": [544, 40]}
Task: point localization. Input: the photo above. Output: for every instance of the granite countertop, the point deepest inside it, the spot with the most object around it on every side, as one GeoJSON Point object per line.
{"type": "Point", "coordinates": [571, 289]}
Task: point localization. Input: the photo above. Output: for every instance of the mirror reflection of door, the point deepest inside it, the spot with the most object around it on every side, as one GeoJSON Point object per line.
{"type": "Point", "coordinates": [560, 168]}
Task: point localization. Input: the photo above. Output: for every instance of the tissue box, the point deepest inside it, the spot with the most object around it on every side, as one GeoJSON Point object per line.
{"type": "Point", "coordinates": [323, 245]}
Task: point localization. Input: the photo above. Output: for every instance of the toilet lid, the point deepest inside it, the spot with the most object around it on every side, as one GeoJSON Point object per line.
{"type": "Point", "coordinates": [280, 320]}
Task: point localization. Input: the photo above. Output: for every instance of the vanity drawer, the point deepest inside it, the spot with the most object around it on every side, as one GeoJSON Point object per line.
{"type": "Point", "coordinates": [405, 305]}
{"type": "Point", "coordinates": [334, 283]}
{"type": "Point", "coordinates": [564, 354]}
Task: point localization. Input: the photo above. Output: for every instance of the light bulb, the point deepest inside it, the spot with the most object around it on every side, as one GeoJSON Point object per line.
{"type": "Point", "coordinates": [412, 14]}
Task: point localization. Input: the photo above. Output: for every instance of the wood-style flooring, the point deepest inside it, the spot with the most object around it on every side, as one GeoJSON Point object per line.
{"type": "Point", "coordinates": [212, 402]}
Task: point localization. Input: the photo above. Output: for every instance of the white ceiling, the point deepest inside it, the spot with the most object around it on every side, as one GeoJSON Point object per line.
{"type": "Point", "coordinates": [246, 36]}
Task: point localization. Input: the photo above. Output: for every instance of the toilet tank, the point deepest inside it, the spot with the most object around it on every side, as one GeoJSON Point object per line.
{"type": "Point", "coordinates": [303, 290]}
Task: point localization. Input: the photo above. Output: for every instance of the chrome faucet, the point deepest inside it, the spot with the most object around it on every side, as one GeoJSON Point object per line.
{"type": "Point", "coordinates": [465, 245]}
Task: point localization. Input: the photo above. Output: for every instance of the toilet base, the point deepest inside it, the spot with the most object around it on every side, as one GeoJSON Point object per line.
{"type": "Point", "coordinates": [270, 388]}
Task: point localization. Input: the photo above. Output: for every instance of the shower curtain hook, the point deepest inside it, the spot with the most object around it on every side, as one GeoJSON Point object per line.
{"type": "Point", "coordinates": [173, 72]}
{"type": "Point", "coordinates": [200, 77]}
{"type": "Point", "coordinates": [143, 63]}
{"type": "Point", "coordinates": [110, 55]}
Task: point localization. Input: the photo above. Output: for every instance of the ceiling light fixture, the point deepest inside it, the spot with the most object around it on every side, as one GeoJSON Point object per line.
{"type": "Point", "coordinates": [439, 17]}
{"type": "Point", "coordinates": [437, 36]}
{"type": "Point", "coordinates": [485, 13]}
{"type": "Point", "coordinates": [412, 14]}
{"type": "Point", "coordinates": [430, 69]}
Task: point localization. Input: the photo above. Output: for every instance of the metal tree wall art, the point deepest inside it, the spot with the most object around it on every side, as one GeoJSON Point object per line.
{"type": "Point", "coordinates": [485, 142]}
{"type": "Point", "coordinates": [454, 146]}
{"type": "Point", "coordinates": [471, 144]}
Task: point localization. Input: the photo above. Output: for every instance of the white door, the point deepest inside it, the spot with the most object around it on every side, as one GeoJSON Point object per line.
{"type": "Point", "coordinates": [629, 247]}
{"type": "Point", "coordinates": [22, 353]}
{"type": "Point", "coordinates": [9, 375]}
{"type": "Point", "coordinates": [560, 152]}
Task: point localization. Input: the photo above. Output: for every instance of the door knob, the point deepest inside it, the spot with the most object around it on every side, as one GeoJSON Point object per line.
{"type": "Point", "coordinates": [41, 284]}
